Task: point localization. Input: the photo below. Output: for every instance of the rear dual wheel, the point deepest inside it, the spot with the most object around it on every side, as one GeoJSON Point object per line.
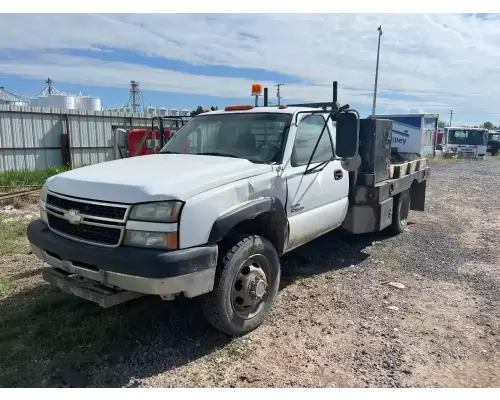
{"type": "Point", "coordinates": [245, 288]}
{"type": "Point", "coordinates": [400, 212]}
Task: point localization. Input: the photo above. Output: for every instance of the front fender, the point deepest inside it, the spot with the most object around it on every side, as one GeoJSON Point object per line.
{"type": "Point", "coordinates": [267, 213]}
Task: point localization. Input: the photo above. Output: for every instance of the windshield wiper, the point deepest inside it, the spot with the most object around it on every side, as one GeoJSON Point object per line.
{"type": "Point", "coordinates": [170, 152]}
{"type": "Point", "coordinates": [217, 154]}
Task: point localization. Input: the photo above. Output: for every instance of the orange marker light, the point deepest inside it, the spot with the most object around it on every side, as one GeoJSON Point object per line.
{"type": "Point", "coordinates": [256, 89]}
{"type": "Point", "coordinates": [172, 241]}
{"type": "Point", "coordinates": [238, 108]}
{"type": "Point", "coordinates": [281, 107]}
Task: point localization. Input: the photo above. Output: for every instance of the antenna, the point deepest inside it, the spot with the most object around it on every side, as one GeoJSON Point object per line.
{"type": "Point", "coordinates": [278, 95]}
{"type": "Point", "coordinates": [135, 96]}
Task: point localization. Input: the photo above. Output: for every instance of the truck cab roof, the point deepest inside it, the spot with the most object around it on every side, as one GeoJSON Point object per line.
{"type": "Point", "coordinates": [286, 110]}
{"type": "Point", "coordinates": [465, 128]}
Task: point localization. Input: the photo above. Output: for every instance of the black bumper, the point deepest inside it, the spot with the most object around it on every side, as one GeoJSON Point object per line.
{"type": "Point", "coordinates": [124, 260]}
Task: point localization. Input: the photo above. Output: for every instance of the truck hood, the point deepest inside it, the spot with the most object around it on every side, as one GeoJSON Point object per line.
{"type": "Point", "coordinates": [153, 177]}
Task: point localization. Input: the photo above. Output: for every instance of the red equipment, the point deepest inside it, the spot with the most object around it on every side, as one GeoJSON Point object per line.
{"type": "Point", "coordinates": [142, 141]}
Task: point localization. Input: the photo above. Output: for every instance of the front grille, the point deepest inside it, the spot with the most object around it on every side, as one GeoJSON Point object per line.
{"type": "Point", "coordinates": [91, 209]}
{"type": "Point", "coordinates": [96, 223]}
{"type": "Point", "coordinates": [90, 233]}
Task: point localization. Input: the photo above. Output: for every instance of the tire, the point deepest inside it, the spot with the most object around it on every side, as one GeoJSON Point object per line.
{"type": "Point", "coordinates": [224, 307]}
{"type": "Point", "coordinates": [400, 213]}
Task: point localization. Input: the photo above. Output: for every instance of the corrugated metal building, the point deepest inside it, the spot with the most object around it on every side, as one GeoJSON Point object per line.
{"type": "Point", "coordinates": [33, 138]}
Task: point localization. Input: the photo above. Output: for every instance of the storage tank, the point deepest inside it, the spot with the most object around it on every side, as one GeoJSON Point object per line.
{"type": "Point", "coordinates": [65, 102]}
{"type": "Point", "coordinates": [184, 112]}
{"type": "Point", "coordinates": [163, 112]}
{"type": "Point", "coordinates": [12, 99]}
{"type": "Point", "coordinates": [87, 103]}
{"type": "Point", "coordinates": [151, 110]}
{"type": "Point", "coordinates": [174, 112]}
{"type": "Point", "coordinates": [126, 109]}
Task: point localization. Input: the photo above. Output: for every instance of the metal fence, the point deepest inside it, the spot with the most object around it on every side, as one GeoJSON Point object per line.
{"type": "Point", "coordinates": [36, 138]}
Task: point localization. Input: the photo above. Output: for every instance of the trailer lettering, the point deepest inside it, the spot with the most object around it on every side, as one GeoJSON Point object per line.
{"type": "Point", "coordinates": [397, 140]}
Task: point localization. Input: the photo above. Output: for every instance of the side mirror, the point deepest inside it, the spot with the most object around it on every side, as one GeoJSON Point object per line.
{"type": "Point", "coordinates": [347, 135]}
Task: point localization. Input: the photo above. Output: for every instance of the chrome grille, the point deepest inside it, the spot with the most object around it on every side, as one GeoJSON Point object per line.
{"type": "Point", "coordinates": [86, 221]}
{"type": "Point", "coordinates": [88, 208]}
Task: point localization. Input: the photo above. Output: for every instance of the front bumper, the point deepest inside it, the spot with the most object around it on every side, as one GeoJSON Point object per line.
{"type": "Point", "coordinates": [189, 271]}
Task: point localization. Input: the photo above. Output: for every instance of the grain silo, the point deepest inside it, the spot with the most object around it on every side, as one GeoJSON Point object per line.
{"type": "Point", "coordinates": [87, 103]}
{"type": "Point", "coordinates": [8, 98]}
{"type": "Point", "coordinates": [151, 110]}
{"type": "Point", "coordinates": [50, 97]}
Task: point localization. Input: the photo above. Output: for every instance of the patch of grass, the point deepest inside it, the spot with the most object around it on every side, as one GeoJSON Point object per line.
{"type": "Point", "coordinates": [12, 234]}
{"type": "Point", "coordinates": [28, 178]}
{"type": "Point", "coordinates": [5, 286]}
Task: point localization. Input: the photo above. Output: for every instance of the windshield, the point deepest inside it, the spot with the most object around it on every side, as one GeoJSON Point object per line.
{"type": "Point", "coordinates": [494, 137]}
{"type": "Point", "coordinates": [258, 137]}
{"type": "Point", "coordinates": [466, 136]}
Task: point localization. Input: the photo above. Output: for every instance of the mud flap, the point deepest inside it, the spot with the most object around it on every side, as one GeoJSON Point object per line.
{"type": "Point", "coordinates": [89, 290]}
{"type": "Point", "coordinates": [417, 196]}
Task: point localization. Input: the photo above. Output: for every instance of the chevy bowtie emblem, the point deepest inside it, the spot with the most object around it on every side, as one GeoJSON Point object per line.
{"type": "Point", "coordinates": [73, 217]}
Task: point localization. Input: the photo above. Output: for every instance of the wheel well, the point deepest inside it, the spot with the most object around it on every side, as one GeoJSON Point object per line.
{"type": "Point", "coordinates": [268, 225]}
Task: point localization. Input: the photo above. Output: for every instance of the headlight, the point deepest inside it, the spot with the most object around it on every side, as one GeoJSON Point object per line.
{"type": "Point", "coordinates": [43, 193]}
{"type": "Point", "coordinates": [152, 240]}
{"type": "Point", "coordinates": [165, 211]}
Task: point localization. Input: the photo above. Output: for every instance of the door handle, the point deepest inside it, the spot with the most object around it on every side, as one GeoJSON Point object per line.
{"type": "Point", "coordinates": [338, 174]}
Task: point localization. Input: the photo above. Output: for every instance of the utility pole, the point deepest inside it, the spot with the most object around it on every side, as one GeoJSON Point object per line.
{"type": "Point", "coordinates": [376, 71]}
{"type": "Point", "coordinates": [451, 116]}
{"type": "Point", "coordinates": [278, 95]}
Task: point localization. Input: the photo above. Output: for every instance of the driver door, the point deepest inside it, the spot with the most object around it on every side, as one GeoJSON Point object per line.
{"type": "Point", "coordinates": [317, 201]}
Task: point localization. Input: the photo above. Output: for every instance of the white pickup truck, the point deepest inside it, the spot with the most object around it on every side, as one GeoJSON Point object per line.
{"type": "Point", "coordinates": [212, 213]}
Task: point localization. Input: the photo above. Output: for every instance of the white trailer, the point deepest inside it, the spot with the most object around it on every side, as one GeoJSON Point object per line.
{"type": "Point", "coordinates": [413, 134]}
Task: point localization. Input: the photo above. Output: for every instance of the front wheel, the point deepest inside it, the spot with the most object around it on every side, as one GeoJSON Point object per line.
{"type": "Point", "coordinates": [401, 210]}
{"type": "Point", "coordinates": [246, 285]}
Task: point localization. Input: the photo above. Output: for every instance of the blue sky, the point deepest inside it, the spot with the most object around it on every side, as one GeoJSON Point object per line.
{"type": "Point", "coordinates": [429, 62]}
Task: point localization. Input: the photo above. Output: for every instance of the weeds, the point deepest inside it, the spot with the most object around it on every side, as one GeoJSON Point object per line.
{"type": "Point", "coordinates": [28, 178]}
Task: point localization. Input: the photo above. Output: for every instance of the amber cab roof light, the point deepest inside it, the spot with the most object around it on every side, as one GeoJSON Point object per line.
{"type": "Point", "coordinates": [238, 108]}
{"type": "Point", "coordinates": [256, 89]}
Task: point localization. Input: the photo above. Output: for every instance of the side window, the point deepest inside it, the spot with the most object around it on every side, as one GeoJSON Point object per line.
{"type": "Point", "coordinates": [306, 137]}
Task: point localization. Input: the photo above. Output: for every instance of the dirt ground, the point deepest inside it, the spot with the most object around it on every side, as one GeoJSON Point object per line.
{"type": "Point", "coordinates": [337, 321]}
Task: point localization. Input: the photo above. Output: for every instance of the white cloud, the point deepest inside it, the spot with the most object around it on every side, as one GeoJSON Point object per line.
{"type": "Point", "coordinates": [430, 62]}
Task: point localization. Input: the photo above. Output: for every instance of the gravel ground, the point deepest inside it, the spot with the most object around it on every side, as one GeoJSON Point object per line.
{"type": "Point", "coordinates": [337, 322]}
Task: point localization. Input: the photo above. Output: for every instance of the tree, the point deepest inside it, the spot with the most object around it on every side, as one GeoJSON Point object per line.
{"type": "Point", "coordinates": [488, 125]}
{"type": "Point", "coordinates": [198, 110]}
{"type": "Point", "coordinates": [441, 124]}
